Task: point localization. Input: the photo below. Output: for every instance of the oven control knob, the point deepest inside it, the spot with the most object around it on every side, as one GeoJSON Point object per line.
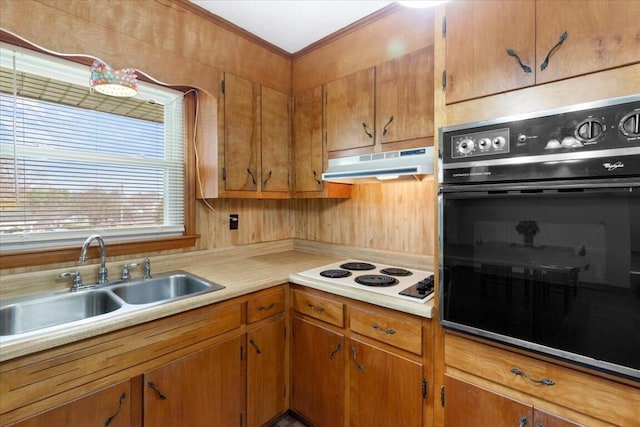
{"type": "Point", "coordinates": [571, 142]}
{"type": "Point", "coordinates": [552, 144]}
{"type": "Point", "coordinates": [522, 138]}
{"type": "Point", "coordinates": [630, 124]}
{"type": "Point", "coordinates": [499, 142]}
{"type": "Point", "coordinates": [466, 146]}
{"type": "Point", "coordinates": [589, 130]}
{"type": "Point", "coordinates": [484, 144]}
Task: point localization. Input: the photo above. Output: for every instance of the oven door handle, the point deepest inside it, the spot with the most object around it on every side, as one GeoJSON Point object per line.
{"type": "Point", "coordinates": [623, 184]}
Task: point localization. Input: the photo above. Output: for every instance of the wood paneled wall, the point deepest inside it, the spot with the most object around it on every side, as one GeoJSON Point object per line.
{"type": "Point", "coordinates": [391, 216]}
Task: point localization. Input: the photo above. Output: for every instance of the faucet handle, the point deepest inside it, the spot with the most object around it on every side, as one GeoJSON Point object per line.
{"type": "Point", "coordinates": [77, 279]}
{"type": "Point", "coordinates": [147, 268]}
{"type": "Point", "coordinates": [126, 276]}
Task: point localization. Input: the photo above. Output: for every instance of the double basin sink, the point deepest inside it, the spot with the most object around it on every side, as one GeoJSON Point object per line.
{"type": "Point", "coordinates": [24, 315]}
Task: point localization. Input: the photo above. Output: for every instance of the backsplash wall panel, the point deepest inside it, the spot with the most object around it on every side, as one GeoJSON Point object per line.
{"type": "Point", "coordinates": [391, 216]}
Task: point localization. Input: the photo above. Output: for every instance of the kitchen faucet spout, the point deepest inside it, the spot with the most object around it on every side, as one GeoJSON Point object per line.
{"type": "Point", "coordinates": [102, 272]}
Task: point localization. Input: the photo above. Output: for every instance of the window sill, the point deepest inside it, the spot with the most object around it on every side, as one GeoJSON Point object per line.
{"type": "Point", "coordinates": [18, 259]}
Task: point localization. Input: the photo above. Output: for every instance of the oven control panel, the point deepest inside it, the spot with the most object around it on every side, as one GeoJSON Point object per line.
{"type": "Point", "coordinates": [480, 143]}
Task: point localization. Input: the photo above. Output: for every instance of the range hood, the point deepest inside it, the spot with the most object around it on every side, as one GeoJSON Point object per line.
{"type": "Point", "coordinates": [411, 164]}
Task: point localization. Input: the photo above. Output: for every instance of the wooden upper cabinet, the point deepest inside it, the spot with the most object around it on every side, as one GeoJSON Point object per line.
{"type": "Point", "coordinates": [257, 142]}
{"type": "Point", "coordinates": [350, 106]}
{"type": "Point", "coordinates": [276, 154]}
{"type": "Point", "coordinates": [601, 34]}
{"type": "Point", "coordinates": [307, 140]}
{"type": "Point", "coordinates": [497, 46]}
{"type": "Point", "coordinates": [478, 35]}
{"type": "Point", "coordinates": [404, 97]}
{"type": "Point", "coordinates": [242, 134]}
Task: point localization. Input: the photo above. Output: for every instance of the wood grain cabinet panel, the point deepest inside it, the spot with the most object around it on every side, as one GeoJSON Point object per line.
{"type": "Point", "coordinates": [265, 304]}
{"type": "Point", "coordinates": [385, 388]}
{"type": "Point", "coordinates": [350, 107]}
{"type": "Point", "coordinates": [404, 98]}
{"type": "Point", "coordinates": [266, 392]}
{"type": "Point", "coordinates": [318, 373]}
{"type": "Point", "coordinates": [307, 140]}
{"type": "Point", "coordinates": [497, 46]}
{"type": "Point", "coordinates": [391, 328]}
{"type": "Point", "coordinates": [320, 308]}
{"type": "Point", "coordinates": [202, 389]}
{"type": "Point", "coordinates": [108, 407]}
{"type": "Point", "coordinates": [257, 140]}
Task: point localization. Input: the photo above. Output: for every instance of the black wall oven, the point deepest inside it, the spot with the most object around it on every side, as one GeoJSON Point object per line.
{"type": "Point", "coordinates": [539, 220]}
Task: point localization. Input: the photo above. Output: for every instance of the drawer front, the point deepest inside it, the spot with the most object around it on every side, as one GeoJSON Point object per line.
{"type": "Point", "coordinates": [265, 305]}
{"type": "Point", "coordinates": [405, 333]}
{"type": "Point", "coordinates": [320, 308]}
{"type": "Point", "coordinates": [588, 394]}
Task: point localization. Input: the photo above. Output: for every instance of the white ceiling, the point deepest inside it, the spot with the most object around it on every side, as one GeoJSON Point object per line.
{"type": "Point", "coordinates": [291, 25]}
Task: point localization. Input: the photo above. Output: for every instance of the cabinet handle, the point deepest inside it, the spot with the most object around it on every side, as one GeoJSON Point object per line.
{"type": "Point", "coordinates": [523, 422]}
{"type": "Point", "coordinates": [253, 343]}
{"type": "Point", "coordinates": [253, 177]}
{"type": "Point", "coordinates": [355, 359]}
{"type": "Point", "coordinates": [366, 130]}
{"type": "Point", "coordinates": [545, 381]}
{"type": "Point", "coordinates": [317, 308]}
{"type": "Point", "coordinates": [315, 176]}
{"type": "Point", "coordinates": [268, 178]}
{"type": "Point", "coordinates": [545, 63]}
{"type": "Point", "coordinates": [384, 130]}
{"type": "Point", "coordinates": [267, 307]}
{"type": "Point", "coordinates": [155, 388]}
{"type": "Point", "coordinates": [383, 330]}
{"type": "Point", "coordinates": [335, 350]}
{"type": "Point", "coordinates": [524, 67]}
{"type": "Point", "coordinates": [108, 421]}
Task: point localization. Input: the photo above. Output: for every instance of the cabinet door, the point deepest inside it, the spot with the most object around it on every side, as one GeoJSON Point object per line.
{"type": "Point", "coordinates": [109, 407]}
{"type": "Point", "coordinates": [385, 389]}
{"type": "Point", "coordinates": [307, 140]}
{"type": "Point", "coordinates": [242, 133]}
{"type": "Point", "coordinates": [478, 34]}
{"type": "Point", "coordinates": [467, 404]}
{"type": "Point", "coordinates": [600, 35]}
{"type": "Point", "coordinates": [202, 389]}
{"type": "Point", "coordinates": [404, 97]}
{"type": "Point", "coordinates": [266, 393]}
{"type": "Point", "coordinates": [545, 419]}
{"type": "Point", "coordinates": [350, 107]}
{"type": "Point", "coordinates": [317, 373]}
{"type": "Point", "coordinates": [276, 127]}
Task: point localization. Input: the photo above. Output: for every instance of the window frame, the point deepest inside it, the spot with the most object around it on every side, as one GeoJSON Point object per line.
{"type": "Point", "coordinates": [53, 255]}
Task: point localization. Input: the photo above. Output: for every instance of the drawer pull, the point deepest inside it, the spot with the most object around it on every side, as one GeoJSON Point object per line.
{"type": "Point", "coordinates": [383, 330]}
{"type": "Point", "coordinates": [109, 420]}
{"type": "Point", "coordinates": [335, 350]}
{"type": "Point", "coordinates": [267, 307]}
{"type": "Point", "coordinates": [523, 422]}
{"type": "Point", "coordinates": [545, 381]}
{"type": "Point", "coordinates": [316, 308]}
{"type": "Point", "coordinates": [155, 388]}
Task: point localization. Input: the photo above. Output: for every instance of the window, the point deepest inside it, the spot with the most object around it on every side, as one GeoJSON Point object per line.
{"type": "Point", "coordinates": [74, 162]}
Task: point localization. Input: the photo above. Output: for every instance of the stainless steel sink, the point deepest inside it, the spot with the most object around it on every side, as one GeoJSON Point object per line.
{"type": "Point", "coordinates": [36, 314]}
{"type": "Point", "coordinates": [169, 287]}
{"type": "Point", "coordinates": [29, 315]}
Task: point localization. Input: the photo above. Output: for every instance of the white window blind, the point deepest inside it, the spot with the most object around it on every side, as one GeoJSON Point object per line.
{"type": "Point", "coordinates": [74, 162]}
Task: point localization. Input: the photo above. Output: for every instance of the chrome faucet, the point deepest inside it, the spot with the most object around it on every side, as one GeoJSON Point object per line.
{"type": "Point", "coordinates": [102, 273]}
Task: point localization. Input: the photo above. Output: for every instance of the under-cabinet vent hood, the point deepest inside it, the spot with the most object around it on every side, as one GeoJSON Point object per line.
{"type": "Point", "coordinates": [411, 164]}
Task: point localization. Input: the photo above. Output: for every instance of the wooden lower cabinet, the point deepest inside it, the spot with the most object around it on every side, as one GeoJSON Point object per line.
{"type": "Point", "coordinates": [202, 389]}
{"type": "Point", "coordinates": [266, 387]}
{"type": "Point", "coordinates": [110, 407]}
{"type": "Point", "coordinates": [467, 404]}
{"type": "Point", "coordinates": [384, 388]}
{"type": "Point", "coordinates": [317, 357]}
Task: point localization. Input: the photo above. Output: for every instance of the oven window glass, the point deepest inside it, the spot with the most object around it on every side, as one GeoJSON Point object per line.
{"type": "Point", "coordinates": [556, 268]}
